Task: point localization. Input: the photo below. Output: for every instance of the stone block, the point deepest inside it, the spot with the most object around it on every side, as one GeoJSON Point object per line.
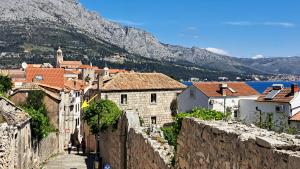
{"type": "Point", "coordinates": [269, 142]}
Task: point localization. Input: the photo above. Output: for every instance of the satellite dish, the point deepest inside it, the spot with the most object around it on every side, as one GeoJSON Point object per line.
{"type": "Point", "coordinates": [24, 65]}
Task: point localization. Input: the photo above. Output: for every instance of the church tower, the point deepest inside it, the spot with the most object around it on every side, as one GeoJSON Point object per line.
{"type": "Point", "coordinates": [59, 57]}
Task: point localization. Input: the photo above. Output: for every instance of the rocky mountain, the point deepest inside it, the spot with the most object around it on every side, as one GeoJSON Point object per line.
{"type": "Point", "coordinates": [33, 29]}
{"type": "Point", "coordinates": [275, 65]}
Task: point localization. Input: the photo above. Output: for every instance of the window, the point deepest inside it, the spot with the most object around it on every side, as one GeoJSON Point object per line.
{"type": "Point", "coordinates": [235, 113]}
{"type": "Point", "coordinates": [153, 120]}
{"type": "Point", "coordinates": [71, 108]}
{"type": "Point", "coordinates": [38, 77]}
{"type": "Point", "coordinates": [279, 108]}
{"type": "Point", "coordinates": [123, 98]}
{"type": "Point", "coordinates": [192, 93]}
{"type": "Point", "coordinates": [106, 97]}
{"type": "Point", "coordinates": [153, 97]}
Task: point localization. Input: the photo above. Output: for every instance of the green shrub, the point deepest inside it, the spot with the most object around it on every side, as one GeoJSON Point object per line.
{"type": "Point", "coordinates": [40, 125]}
{"type": "Point", "coordinates": [292, 130]}
{"type": "Point", "coordinates": [35, 100]}
{"type": "Point", "coordinates": [5, 84]}
{"type": "Point", "coordinates": [171, 132]}
{"type": "Point", "coordinates": [108, 113]}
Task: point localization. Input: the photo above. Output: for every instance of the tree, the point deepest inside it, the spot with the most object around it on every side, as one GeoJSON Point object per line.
{"type": "Point", "coordinates": [40, 123]}
{"type": "Point", "coordinates": [35, 99]}
{"type": "Point", "coordinates": [5, 83]}
{"type": "Point", "coordinates": [108, 113]}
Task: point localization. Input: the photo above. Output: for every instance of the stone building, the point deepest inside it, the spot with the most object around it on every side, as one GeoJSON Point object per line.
{"type": "Point", "coordinates": [53, 100]}
{"type": "Point", "coordinates": [15, 137]}
{"type": "Point", "coordinates": [61, 63]}
{"type": "Point", "coordinates": [148, 94]}
{"type": "Point", "coordinates": [17, 76]}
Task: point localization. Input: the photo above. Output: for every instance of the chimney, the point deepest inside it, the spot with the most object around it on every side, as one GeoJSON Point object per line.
{"type": "Point", "coordinates": [294, 88]}
{"type": "Point", "coordinates": [223, 88]}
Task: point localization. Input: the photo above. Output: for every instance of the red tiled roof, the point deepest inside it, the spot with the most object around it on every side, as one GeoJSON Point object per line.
{"type": "Point", "coordinates": [284, 96]}
{"type": "Point", "coordinates": [34, 65]}
{"type": "Point", "coordinates": [49, 76]}
{"type": "Point", "coordinates": [76, 72]}
{"type": "Point", "coordinates": [141, 81]}
{"type": "Point", "coordinates": [88, 67]}
{"type": "Point", "coordinates": [114, 71]}
{"type": "Point", "coordinates": [75, 84]}
{"type": "Point", "coordinates": [212, 89]}
{"type": "Point", "coordinates": [295, 117]}
{"type": "Point", "coordinates": [70, 64]}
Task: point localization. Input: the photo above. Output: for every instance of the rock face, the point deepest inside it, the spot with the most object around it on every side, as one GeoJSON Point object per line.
{"type": "Point", "coordinates": [67, 17]}
{"type": "Point", "coordinates": [204, 145]}
{"type": "Point", "coordinates": [38, 26]}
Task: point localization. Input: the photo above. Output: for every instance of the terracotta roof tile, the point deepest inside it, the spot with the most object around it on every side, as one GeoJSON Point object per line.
{"type": "Point", "coordinates": [71, 64]}
{"type": "Point", "coordinates": [212, 89]}
{"type": "Point", "coordinates": [88, 67]}
{"type": "Point", "coordinates": [284, 96]}
{"type": "Point", "coordinates": [75, 84]}
{"type": "Point", "coordinates": [35, 86]}
{"type": "Point", "coordinates": [114, 71]}
{"type": "Point", "coordinates": [76, 72]}
{"type": "Point", "coordinates": [48, 76]}
{"type": "Point", "coordinates": [34, 65]}
{"type": "Point", "coordinates": [295, 117]}
{"type": "Point", "coordinates": [141, 81]}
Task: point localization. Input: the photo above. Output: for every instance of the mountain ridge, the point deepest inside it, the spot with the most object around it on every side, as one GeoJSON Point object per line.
{"type": "Point", "coordinates": [69, 17]}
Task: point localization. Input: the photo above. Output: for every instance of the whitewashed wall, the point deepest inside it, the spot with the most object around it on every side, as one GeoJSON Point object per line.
{"type": "Point", "coordinates": [295, 104]}
{"type": "Point", "coordinates": [186, 102]}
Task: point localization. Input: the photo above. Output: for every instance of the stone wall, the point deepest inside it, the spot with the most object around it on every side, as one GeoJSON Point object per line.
{"type": "Point", "coordinates": [218, 145]}
{"type": "Point", "coordinates": [112, 147]}
{"type": "Point", "coordinates": [129, 147]}
{"type": "Point", "coordinates": [145, 152]}
{"type": "Point", "coordinates": [7, 146]}
{"type": "Point", "coordinates": [140, 102]}
{"type": "Point", "coordinates": [47, 147]}
{"type": "Point", "coordinates": [52, 105]}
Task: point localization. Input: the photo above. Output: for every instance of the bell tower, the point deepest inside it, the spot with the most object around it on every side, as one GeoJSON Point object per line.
{"type": "Point", "coordinates": [59, 57]}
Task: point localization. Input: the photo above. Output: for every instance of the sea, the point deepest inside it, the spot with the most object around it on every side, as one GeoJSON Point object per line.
{"type": "Point", "coordinates": [260, 86]}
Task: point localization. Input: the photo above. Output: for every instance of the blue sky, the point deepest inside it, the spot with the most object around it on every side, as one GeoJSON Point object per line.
{"type": "Point", "coordinates": [242, 28]}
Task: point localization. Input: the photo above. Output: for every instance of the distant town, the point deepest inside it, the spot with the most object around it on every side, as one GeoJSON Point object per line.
{"type": "Point", "coordinates": [65, 96]}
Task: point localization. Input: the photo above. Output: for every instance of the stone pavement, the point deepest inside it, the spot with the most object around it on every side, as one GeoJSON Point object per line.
{"type": "Point", "coordinates": [69, 161]}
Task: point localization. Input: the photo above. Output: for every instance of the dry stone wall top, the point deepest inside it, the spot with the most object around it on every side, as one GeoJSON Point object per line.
{"type": "Point", "coordinates": [219, 145]}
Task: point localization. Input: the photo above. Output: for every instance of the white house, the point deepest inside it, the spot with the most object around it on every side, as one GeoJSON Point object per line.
{"type": "Point", "coordinates": [278, 104]}
{"type": "Point", "coordinates": [218, 96]}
